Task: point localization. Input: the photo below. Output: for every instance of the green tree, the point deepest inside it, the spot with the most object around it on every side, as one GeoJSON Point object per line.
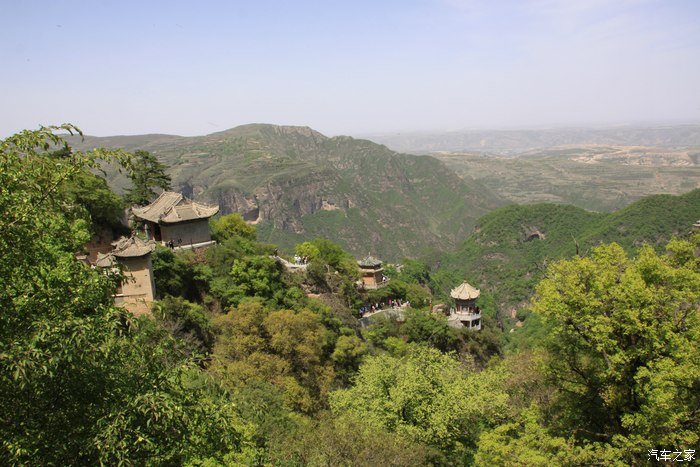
{"type": "Point", "coordinates": [287, 348]}
{"type": "Point", "coordinates": [526, 442]}
{"type": "Point", "coordinates": [426, 327]}
{"type": "Point", "coordinates": [186, 320]}
{"type": "Point", "coordinates": [415, 272]}
{"type": "Point", "coordinates": [146, 174]}
{"type": "Point", "coordinates": [428, 397]}
{"type": "Point", "coordinates": [90, 191]}
{"type": "Point", "coordinates": [347, 355]}
{"type": "Point", "coordinates": [344, 441]}
{"type": "Point", "coordinates": [231, 226]}
{"type": "Point", "coordinates": [624, 346]}
{"type": "Point", "coordinates": [308, 250]}
{"type": "Point", "coordinates": [256, 276]}
{"type": "Point", "coordinates": [77, 384]}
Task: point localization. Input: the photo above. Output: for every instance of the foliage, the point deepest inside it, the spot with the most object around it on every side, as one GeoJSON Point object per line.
{"type": "Point", "coordinates": [284, 347]}
{"type": "Point", "coordinates": [90, 191]}
{"type": "Point", "coordinates": [429, 328]}
{"type": "Point", "coordinates": [186, 320]}
{"type": "Point", "coordinates": [347, 356]}
{"type": "Point", "coordinates": [231, 226]}
{"type": "Point", "coordinates": [345, 441]}
{"type": "Point", "coordinates": [624, 345]}
{"type": "Point", "coordinates": [146, 174]}
{"type": "Point", "coordinates": [414, 272]}
{"type": "Point", "coordinates": [256, 276]}
{"type": "Point", "coordinates": [526, 442]}
{"type": "Point", "coordinates": [79, 384]}
{"type": "Point", "coordinates": [428, 397]}
{"type": "Point", "coordinates": [176, 275]}
{"type": "Point", "coordinates": [498, 259]}
{"type": "Point", "coordinates": [307, 250]}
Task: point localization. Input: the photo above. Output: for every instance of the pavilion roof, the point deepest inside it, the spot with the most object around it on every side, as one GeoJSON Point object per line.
{"type": "Point", "coordinates": [465, 292]}
{"type": "Point", "coordinates": [369, 262]}
{"type": "Point", "coordinates": [131, 247]}
{"type": "Point", "coordinates": [171, 207]}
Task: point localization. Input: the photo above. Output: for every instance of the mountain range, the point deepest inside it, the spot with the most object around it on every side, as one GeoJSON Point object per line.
{"type": "Point", "coordinates": [512, 142]}
{"type": "Point", "coordinates": [296, 184]}
{"type": "Point", "coordinates": [508, 251]}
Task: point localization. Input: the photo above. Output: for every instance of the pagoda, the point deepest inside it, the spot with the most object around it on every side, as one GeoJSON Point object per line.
{"type": "Point", "coordinates": [372, 273]}
{"type": "Point", "coordinates": [465, 313]}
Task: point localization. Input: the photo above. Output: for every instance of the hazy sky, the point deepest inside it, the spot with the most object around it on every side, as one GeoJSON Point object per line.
{"type": "Point", "coordinates": [346, 67]}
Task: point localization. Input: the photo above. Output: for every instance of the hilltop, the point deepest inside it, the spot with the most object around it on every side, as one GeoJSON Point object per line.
{"type": "Point", "coordinates": [295, 183]}
{"type": "Point", "coordinates": [510, 248]}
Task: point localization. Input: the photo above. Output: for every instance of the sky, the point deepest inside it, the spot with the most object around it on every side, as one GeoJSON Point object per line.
{"type": "Point", "coordinates": [347, 67]}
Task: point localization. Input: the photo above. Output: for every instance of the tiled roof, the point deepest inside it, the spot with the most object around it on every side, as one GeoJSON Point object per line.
{"type": "Point", "coordinates": [171, 207]}
{"type": "Point", "coordinates": [465, 292]}
{"type": "Point", "coordinates": [131, 247]}
{"type": "Point", "coordinates": [369, 262]}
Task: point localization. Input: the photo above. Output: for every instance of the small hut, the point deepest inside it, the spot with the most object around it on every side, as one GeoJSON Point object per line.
{"type": "Point", "coordinates": [372, 273]}
{"type": "Point", "coordinates": [137, 289]}
{"type": "Point", "coordinates": [177, 221]}
{"type": "Point", "coordinates": [465, 313]}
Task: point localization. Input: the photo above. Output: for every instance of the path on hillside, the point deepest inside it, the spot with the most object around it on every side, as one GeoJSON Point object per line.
{"type": "Point", "coordinates": [290, 266]}
{"type": "Point", "coordinates": [395, 312]}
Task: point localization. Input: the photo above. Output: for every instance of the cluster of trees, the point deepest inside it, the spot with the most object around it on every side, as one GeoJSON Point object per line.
{"type": "Point", "coordinates": [238, 365]}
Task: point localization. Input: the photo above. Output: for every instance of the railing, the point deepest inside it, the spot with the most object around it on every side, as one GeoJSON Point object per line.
{"type": "Point", "coordinates": [374, 286]}
{"type": "Point", "coordinates": [467, 315]}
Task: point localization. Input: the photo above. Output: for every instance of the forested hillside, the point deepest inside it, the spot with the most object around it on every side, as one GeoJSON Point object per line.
{"type": "Point", "coordinates": [511, 247]}
{"type": "Point", "coordinates": [246, 361]}
{"type": "Point", "coordinates": [295, 183]}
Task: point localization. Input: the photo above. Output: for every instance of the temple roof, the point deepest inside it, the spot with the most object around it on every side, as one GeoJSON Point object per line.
{"type": "Point", "coordinates": [369, 262]}
{"type": "Point", "coordinates": [131, 247]}
{"type": "Point", "coordinates": [171, 207]}
{"type": "Point", "coordinates": [465, 292]}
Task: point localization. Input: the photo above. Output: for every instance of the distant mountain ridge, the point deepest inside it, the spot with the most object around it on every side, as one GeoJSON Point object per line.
{"type": "Point", "coordinates": [511, 142]}
{"type": "Point", "coordinates": [297, 184]}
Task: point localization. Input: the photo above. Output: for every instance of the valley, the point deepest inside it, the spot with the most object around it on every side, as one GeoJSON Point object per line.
{"type": "Point", "coordinates": [595, 177]}
{"type": "Point", "coordinates": [295, 184]}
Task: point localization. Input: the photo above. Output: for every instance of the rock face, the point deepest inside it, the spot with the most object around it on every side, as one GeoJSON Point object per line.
{"type": "Point", "coordinates": [296, 184]}
{"type": "Point", "coordinates": [283, 205]}
{"type": "Point", "coordinates": [533, 233]}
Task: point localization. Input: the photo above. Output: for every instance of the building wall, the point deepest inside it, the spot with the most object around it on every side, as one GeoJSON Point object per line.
{"type": "Point", "coordinates": [186, 233]}
{"type": "Point", "coordinates": [138, 281]}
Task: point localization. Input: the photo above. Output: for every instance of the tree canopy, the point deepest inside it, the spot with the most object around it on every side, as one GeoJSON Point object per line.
{"type": "Point", "coordinates": [77, 384]}
{"type": "Point", "coordinates": [624, 344]}
{"type": "Point", "coordinates": [147, 174]}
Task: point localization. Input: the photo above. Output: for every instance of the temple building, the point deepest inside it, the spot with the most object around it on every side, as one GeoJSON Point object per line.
{"type": "Point", "coordinates": [372, 273]}
{"type": "Point", "coordinates": [137, 289]}
{"type": "Point", "coordinates": [177, 221]}
{"type": "Point", "coordinates": [465, 313]}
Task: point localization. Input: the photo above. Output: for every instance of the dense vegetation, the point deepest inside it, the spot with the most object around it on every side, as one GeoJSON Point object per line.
{"type": "Point", "coordinates": [511, 247]}
{"type": "Point", "coordinates": [300, 184]}
{"type": "Point", "coordinates": [246, 363]}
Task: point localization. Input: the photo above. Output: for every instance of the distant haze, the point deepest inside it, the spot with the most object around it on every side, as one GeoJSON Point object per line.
{"type": "Point", "coordinates": [348, 67]}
